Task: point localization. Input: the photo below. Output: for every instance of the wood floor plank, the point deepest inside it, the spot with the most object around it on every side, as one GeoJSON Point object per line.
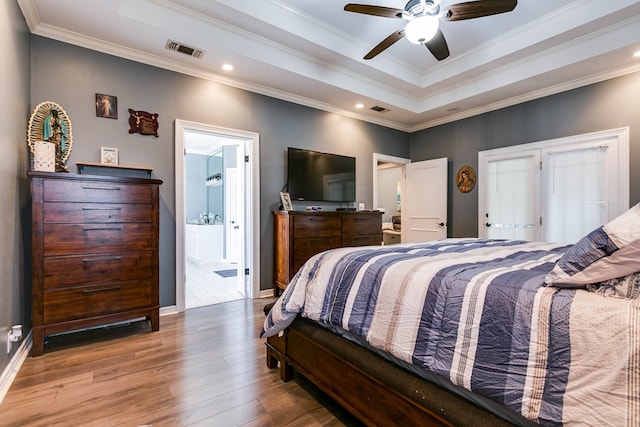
{"type": "Point", "coordinates": [205, 367]}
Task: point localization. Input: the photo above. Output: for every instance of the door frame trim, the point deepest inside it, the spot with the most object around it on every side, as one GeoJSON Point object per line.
{"type": "Point", "coordinates": [252, 203]}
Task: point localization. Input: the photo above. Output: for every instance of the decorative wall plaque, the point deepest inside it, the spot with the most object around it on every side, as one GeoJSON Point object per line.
{"type": "Point", "coordinates": [143, 123]}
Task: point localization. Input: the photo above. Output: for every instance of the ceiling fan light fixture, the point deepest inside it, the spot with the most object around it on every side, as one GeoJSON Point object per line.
{"type": "Point", "coordinates": [421, 29]}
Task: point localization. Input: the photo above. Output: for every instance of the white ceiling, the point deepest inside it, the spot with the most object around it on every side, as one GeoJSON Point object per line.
{"type": "Point", "coordinates": [310, 51]}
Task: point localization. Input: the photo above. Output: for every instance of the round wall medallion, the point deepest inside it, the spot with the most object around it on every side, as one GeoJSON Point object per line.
{"type": "Point", "coordinates": [466, 179]}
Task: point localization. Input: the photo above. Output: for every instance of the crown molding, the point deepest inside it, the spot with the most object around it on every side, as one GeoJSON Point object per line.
{"type": "Point", "coordinates": [530, 96]}
{"type": "Point", "coordinates": [179, 67]}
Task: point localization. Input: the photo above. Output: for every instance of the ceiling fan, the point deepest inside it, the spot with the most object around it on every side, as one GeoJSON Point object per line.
{"type": "Point", "coordinates": [423, 19]}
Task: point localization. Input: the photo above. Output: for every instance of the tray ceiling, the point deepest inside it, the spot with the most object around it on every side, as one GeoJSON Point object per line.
{"type": "Point", "coordinates": [310, 52]}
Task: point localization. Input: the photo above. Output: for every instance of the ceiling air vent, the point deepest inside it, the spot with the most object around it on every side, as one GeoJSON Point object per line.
{"type": "Point", "coordinates": [379, 109]}
{"type": "Point", "coordinates": [187, 50]}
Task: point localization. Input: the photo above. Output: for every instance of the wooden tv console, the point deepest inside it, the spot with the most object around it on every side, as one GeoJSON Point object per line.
{"type": "Point", "coordinates": [298, 235]}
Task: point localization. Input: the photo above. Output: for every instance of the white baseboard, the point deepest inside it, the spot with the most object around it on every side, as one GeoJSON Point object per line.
{"type": "Point", "coordinates": [168, 310]}
{"type": "Point", "coordinates": [9, 374]}
{"type": "Point", "coordinates": [266, 293]}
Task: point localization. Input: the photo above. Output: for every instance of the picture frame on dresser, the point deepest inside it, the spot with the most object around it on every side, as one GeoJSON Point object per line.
{"type": "Point", "coordinates": [286, 201]}
{"type": "Point", "coordinates": [108, 156]}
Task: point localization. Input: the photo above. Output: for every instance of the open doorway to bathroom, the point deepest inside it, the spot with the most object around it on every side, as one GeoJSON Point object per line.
{"type": "Point", "coordinates": [214, 200]}
{"type": "Point", "coordinates": [212, 206]}
{"type": "Point", "coordinates": [388, 176]}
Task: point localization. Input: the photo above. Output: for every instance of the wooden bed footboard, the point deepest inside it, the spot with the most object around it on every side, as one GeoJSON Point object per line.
{"type": "Point", "coordinates": [372, 388]}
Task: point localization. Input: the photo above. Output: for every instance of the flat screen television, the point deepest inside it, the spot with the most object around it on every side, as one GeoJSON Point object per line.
{"type": "Point", "coordinates": [321, 177]}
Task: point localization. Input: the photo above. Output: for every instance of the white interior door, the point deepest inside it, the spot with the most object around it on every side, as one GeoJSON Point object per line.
{"type": "Point", "coordinates": [234, 226]}
{"type": "Point", "coordinates": [576, 189]}
{"type": "Point", "coordinates": [424, 201]}
{"type": "Point", "coordinates": [511, 209]}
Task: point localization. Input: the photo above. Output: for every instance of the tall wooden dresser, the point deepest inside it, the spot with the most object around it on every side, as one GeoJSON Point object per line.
{"type": "Point", "coordinates": [298, 235]}
{"type": "Point", "coordinates": [95, 252]}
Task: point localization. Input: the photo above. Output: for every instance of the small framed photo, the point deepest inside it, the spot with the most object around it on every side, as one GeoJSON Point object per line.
{"type": "Point", "coordinates": [108, 156]}
{"type": "Point", "coordinates": [106, 106]}
{"type": "Point", "coordinates": [286, 201]}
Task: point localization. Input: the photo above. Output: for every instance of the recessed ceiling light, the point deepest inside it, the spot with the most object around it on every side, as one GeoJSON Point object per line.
{"type": "Point", "coordinates": [359, 105]}
{"type": "Point", "coordinates": [227, 67]}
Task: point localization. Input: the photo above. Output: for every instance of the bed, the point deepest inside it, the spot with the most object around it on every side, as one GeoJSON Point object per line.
{"type": "Point", "coordinates": [470, 331]}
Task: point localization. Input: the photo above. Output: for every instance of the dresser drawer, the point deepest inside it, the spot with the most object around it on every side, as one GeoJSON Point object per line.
{"type": "Point", "coordinates": [353, 225]}
{"type": "Point", "coordinates": [303, 249]}
{"type": "Point", "coordinates": [362, 240]}
{"type": "Point", "coordinates": [61, 305]}
{"type": "Point", "coordinates": [63, 272]}
{"type": "Point", "coordinates": [76, 239]}
{"type": "Point", "coordinates": [88, 213]}
{"type": "Point", "coordinates": [361, 230]}
{"type": "Point", "coordinates": [87, 191]}
{"type": "Point", "coordinates": [390, 237]}
{"type": "Point", "coordinates": [316, 225]}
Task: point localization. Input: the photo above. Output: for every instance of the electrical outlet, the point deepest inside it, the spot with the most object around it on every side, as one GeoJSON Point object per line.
{"type": "Point", "coordinates": [14, 335]}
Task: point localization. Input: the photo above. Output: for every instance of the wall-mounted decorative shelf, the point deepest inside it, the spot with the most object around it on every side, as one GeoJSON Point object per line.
{"type": "Point", "coordinates": [87, 168]}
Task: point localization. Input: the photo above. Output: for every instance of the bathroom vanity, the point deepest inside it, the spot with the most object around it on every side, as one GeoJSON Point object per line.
{"type": "Point", "coordinates": [205, 242]}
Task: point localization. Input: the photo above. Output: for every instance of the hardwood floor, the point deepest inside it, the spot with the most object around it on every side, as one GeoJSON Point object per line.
{"type": "Point", "coordinates": [205, 367]}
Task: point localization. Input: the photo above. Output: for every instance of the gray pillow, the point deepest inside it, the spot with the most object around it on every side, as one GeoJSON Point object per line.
{"type": "Point", "coordinates": [608, 252]}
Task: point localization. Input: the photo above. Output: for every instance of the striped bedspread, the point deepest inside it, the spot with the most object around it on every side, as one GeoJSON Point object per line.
{"type": "Point", "coordinates": [477, 312]}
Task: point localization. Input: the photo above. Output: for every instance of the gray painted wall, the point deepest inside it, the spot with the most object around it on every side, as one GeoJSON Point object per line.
{"type": "Point", "coordinates": [607, 105]}
{"type": "Point", "coordinates": [15, 277]}
{"type": "Point", "coordinates": [71, 76]}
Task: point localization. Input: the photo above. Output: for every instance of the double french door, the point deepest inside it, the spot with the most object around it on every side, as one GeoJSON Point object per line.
{"type": "Point", "coordinates": [555, 190]}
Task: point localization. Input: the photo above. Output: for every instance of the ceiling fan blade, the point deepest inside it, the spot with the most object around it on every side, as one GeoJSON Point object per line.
{"type": "Point", "coordinates": [438, 46]}
{"type": "Point", "coordinates": [477, 9]}
{"type": "Point", "coordinates": [384, 44]}
{"type": "Point", "coordinates": [385, 12]}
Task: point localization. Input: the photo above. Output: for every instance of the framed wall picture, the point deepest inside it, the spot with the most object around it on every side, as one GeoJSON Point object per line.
{"type": "Point", "coordinates": [286, 201]}
{"type": "Point", "coordinates": [466, 179]}
{"type": "Point", "coordinates": [108, 156]}
{"type": "Point", "coordinates": [106, 106]}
